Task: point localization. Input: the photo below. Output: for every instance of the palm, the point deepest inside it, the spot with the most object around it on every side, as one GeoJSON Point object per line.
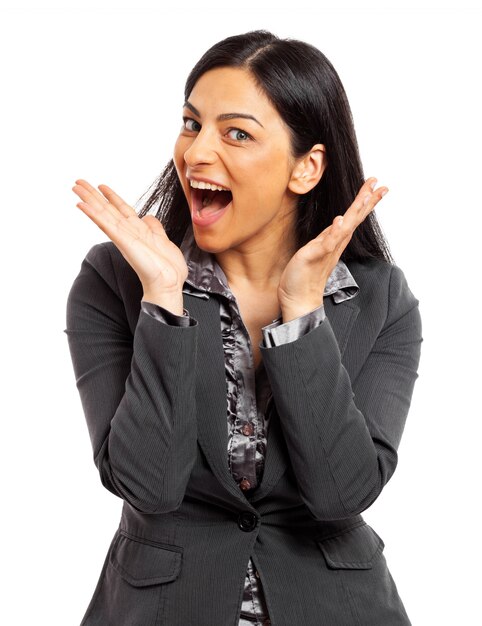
{"type": "Point", "coordinates": [157, 261]}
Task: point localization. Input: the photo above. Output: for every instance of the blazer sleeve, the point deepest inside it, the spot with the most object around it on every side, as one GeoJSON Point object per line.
{"type": "Point", "coordinates": [137, 390]}
{"type": "Point", "coordinates": [342, 435]}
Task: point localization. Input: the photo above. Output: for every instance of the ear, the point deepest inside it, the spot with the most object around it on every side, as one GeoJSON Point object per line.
{"type": "Point", "coordinates": [308, 170]}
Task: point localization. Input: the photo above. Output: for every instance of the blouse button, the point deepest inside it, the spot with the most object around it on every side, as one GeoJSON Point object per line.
{"type": "Point", "coordinates": [245, 484]}
{"type": "Point", "coordinates": [247, 430]}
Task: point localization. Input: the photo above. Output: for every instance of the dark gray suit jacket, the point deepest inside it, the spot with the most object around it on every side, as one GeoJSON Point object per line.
{"type": "Point", "coordinates": [154, 397]}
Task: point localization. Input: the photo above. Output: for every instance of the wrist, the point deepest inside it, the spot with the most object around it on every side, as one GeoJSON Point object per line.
{"type": "Point", "coordinates": [294, 311]}
{"type": "Point", "coordinates": [172, 302]}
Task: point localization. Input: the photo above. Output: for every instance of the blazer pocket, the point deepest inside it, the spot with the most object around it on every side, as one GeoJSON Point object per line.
{"type": "Point", "coordinates": [142, 564]}
{"type": "Point", "coordinates": [357, 548]}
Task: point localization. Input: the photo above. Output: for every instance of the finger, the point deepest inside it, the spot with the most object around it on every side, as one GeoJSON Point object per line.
{"type": "Point", "coordinates": [333, 238]}
{"type": "Point", "coordinates": [107, 195]}
{"type": "Point", "coordinates": [91, 196]}
{"type": "Point", "coordinates": [371, 201]}
{"type": "Point", "coordinates": [117, 201]}
{"type": "Point", "coordinates": [101, 217]}
{"type": "Point", "coordinates": [106, 216]}
{"type": "Point", "coordinates": [345, 235]}
{"type": "Point", "coordinates": [124, 232]}
{"type": "Point", "coordinates": [364, 203]}
{"type": "Point", "coordinates": [372, 195]}
{"type": "Point", "coordinates": [86, 188]}
{"type": "Point", "coordinates": [340, 234]}
{"type": "Point", "coordinates": [338, 230]}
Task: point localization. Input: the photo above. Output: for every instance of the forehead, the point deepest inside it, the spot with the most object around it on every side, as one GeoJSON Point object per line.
{"type": "Point", "coordinates": [232, 88]}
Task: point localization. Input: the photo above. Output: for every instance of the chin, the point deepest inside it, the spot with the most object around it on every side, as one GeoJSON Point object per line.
{"type": "Point", "coordinates": [209, 243]}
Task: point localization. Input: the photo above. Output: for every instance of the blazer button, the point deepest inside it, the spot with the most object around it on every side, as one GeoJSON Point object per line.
{"type": "Point", "coordinates": [247, 521]}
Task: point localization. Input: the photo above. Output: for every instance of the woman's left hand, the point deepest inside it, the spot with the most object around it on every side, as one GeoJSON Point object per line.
{"type": "Point", "coordinates": [303, 281]}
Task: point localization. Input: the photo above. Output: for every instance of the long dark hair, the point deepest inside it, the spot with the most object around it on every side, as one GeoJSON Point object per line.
{"type": "Point", "coordinates": [307, 92]}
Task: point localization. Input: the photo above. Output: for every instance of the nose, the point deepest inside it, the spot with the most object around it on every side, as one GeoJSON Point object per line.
{"type": "Point", "coordinates": [201, 151]}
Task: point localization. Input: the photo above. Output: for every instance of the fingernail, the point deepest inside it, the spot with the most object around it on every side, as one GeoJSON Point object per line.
{"type": "Point", "coordinates": [384, 192]}
{"type": "Point", "coordinates": [373, 183]}
{"type": "Point", "coordinates": [367, 199]}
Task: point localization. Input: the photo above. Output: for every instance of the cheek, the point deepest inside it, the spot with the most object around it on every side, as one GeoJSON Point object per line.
{"type": "Point", "coordinates": [260, 189]}
{"type": "Point", "coordinates": [180, 165]}
{"type": "Point", "coordinates": [269, 187]}
{"type": "Point", "coordinates": [180, 147]}
{"type": "Point", "coordinates": [178, 155]}
{"type": "Point", "coordinates": [272, 172]}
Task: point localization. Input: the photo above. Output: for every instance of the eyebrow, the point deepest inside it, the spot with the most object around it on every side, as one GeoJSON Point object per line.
{"type": "Point", "coordinates": [224, 116]}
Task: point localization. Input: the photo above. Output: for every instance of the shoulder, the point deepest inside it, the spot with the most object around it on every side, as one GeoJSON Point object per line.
{"type": "Point", "coordinates": [374, 274]}
{"type": "Point", "coordinates": [384, 287]}
{"type": "Point", "coordinates": [378, 277]}
{"type": "Point", "coordinates": [106, 282]}
{"type": "Point", "coordinates": [107, 261]}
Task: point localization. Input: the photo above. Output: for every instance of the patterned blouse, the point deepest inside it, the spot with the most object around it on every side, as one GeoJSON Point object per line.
{"type": "Point", "coordinates": [248, 390]}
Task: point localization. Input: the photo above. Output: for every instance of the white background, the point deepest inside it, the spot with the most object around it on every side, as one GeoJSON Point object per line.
{"type": "Point", "coordinates": [96, 93]}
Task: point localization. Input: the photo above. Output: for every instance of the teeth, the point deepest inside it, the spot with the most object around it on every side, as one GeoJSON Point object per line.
{"type": "Point", "coordinates": [200, 184]}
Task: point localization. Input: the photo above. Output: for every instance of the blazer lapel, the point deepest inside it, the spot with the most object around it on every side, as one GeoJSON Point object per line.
{"type": "Point", "coordinates": [341, 317]}
{"type": "Point", "coordinates": [211, 390]}
{"type": "Point", "coordinates": [211, 394]}
{"type": "Point", "coordinates": [276, 461]}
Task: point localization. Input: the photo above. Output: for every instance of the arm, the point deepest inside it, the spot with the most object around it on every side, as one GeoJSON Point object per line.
{"type": "Point", "coordinates": [343, 435]}
{"type": "Point", "coordinates": [137, 391]}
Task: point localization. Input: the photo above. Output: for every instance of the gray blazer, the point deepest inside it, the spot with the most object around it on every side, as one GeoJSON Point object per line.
{"type": "Point", "coordinates": [154, 397]}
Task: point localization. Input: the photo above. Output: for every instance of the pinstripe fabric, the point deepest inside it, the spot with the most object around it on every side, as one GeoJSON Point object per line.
{"type": "Point", "coordinates": [154, 397]}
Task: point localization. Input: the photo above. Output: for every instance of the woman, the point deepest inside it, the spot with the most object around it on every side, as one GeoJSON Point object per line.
{"type": "Point", "coordinates": [246, 359]}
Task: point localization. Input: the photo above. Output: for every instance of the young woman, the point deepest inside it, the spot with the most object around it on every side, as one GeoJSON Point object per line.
{"type": "Point", "coordinates": [246, 359]}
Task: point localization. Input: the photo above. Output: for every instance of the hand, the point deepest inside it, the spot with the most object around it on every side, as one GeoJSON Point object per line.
{"type": "Point", "coordinates": [158, 262]}
{"type": "Point", "coordinates": [303, 281]}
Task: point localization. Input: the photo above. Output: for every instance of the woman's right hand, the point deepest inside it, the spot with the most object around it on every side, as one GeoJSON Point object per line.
{"type": "Point", "coordinates": [158, 262]}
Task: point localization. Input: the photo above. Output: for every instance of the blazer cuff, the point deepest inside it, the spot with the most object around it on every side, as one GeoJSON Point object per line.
{"type": "Point", "coordinates": [166, 317]}
{"type": "Point", "coordinates": [276, 334]}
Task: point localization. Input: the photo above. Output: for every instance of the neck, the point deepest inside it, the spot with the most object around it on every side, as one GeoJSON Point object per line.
{"type": "Point", "coordinates": [257, 264]}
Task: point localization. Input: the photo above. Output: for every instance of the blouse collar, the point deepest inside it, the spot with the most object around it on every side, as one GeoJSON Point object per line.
{"type": "Point", "coordinates": [206, 275]}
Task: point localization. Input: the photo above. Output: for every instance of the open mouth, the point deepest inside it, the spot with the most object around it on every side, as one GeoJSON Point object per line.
{"type": "Point", "coordinates": [207, 202]}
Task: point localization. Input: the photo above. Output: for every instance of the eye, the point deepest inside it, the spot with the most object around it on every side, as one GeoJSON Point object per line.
{"type": "Point", "coordinates": [190, 124]}
{"type": "Point", "coordinates": [239, 135]}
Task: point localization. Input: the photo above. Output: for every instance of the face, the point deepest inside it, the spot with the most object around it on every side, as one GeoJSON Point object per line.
{"type": "Point", "coordinates": [232, 136]}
